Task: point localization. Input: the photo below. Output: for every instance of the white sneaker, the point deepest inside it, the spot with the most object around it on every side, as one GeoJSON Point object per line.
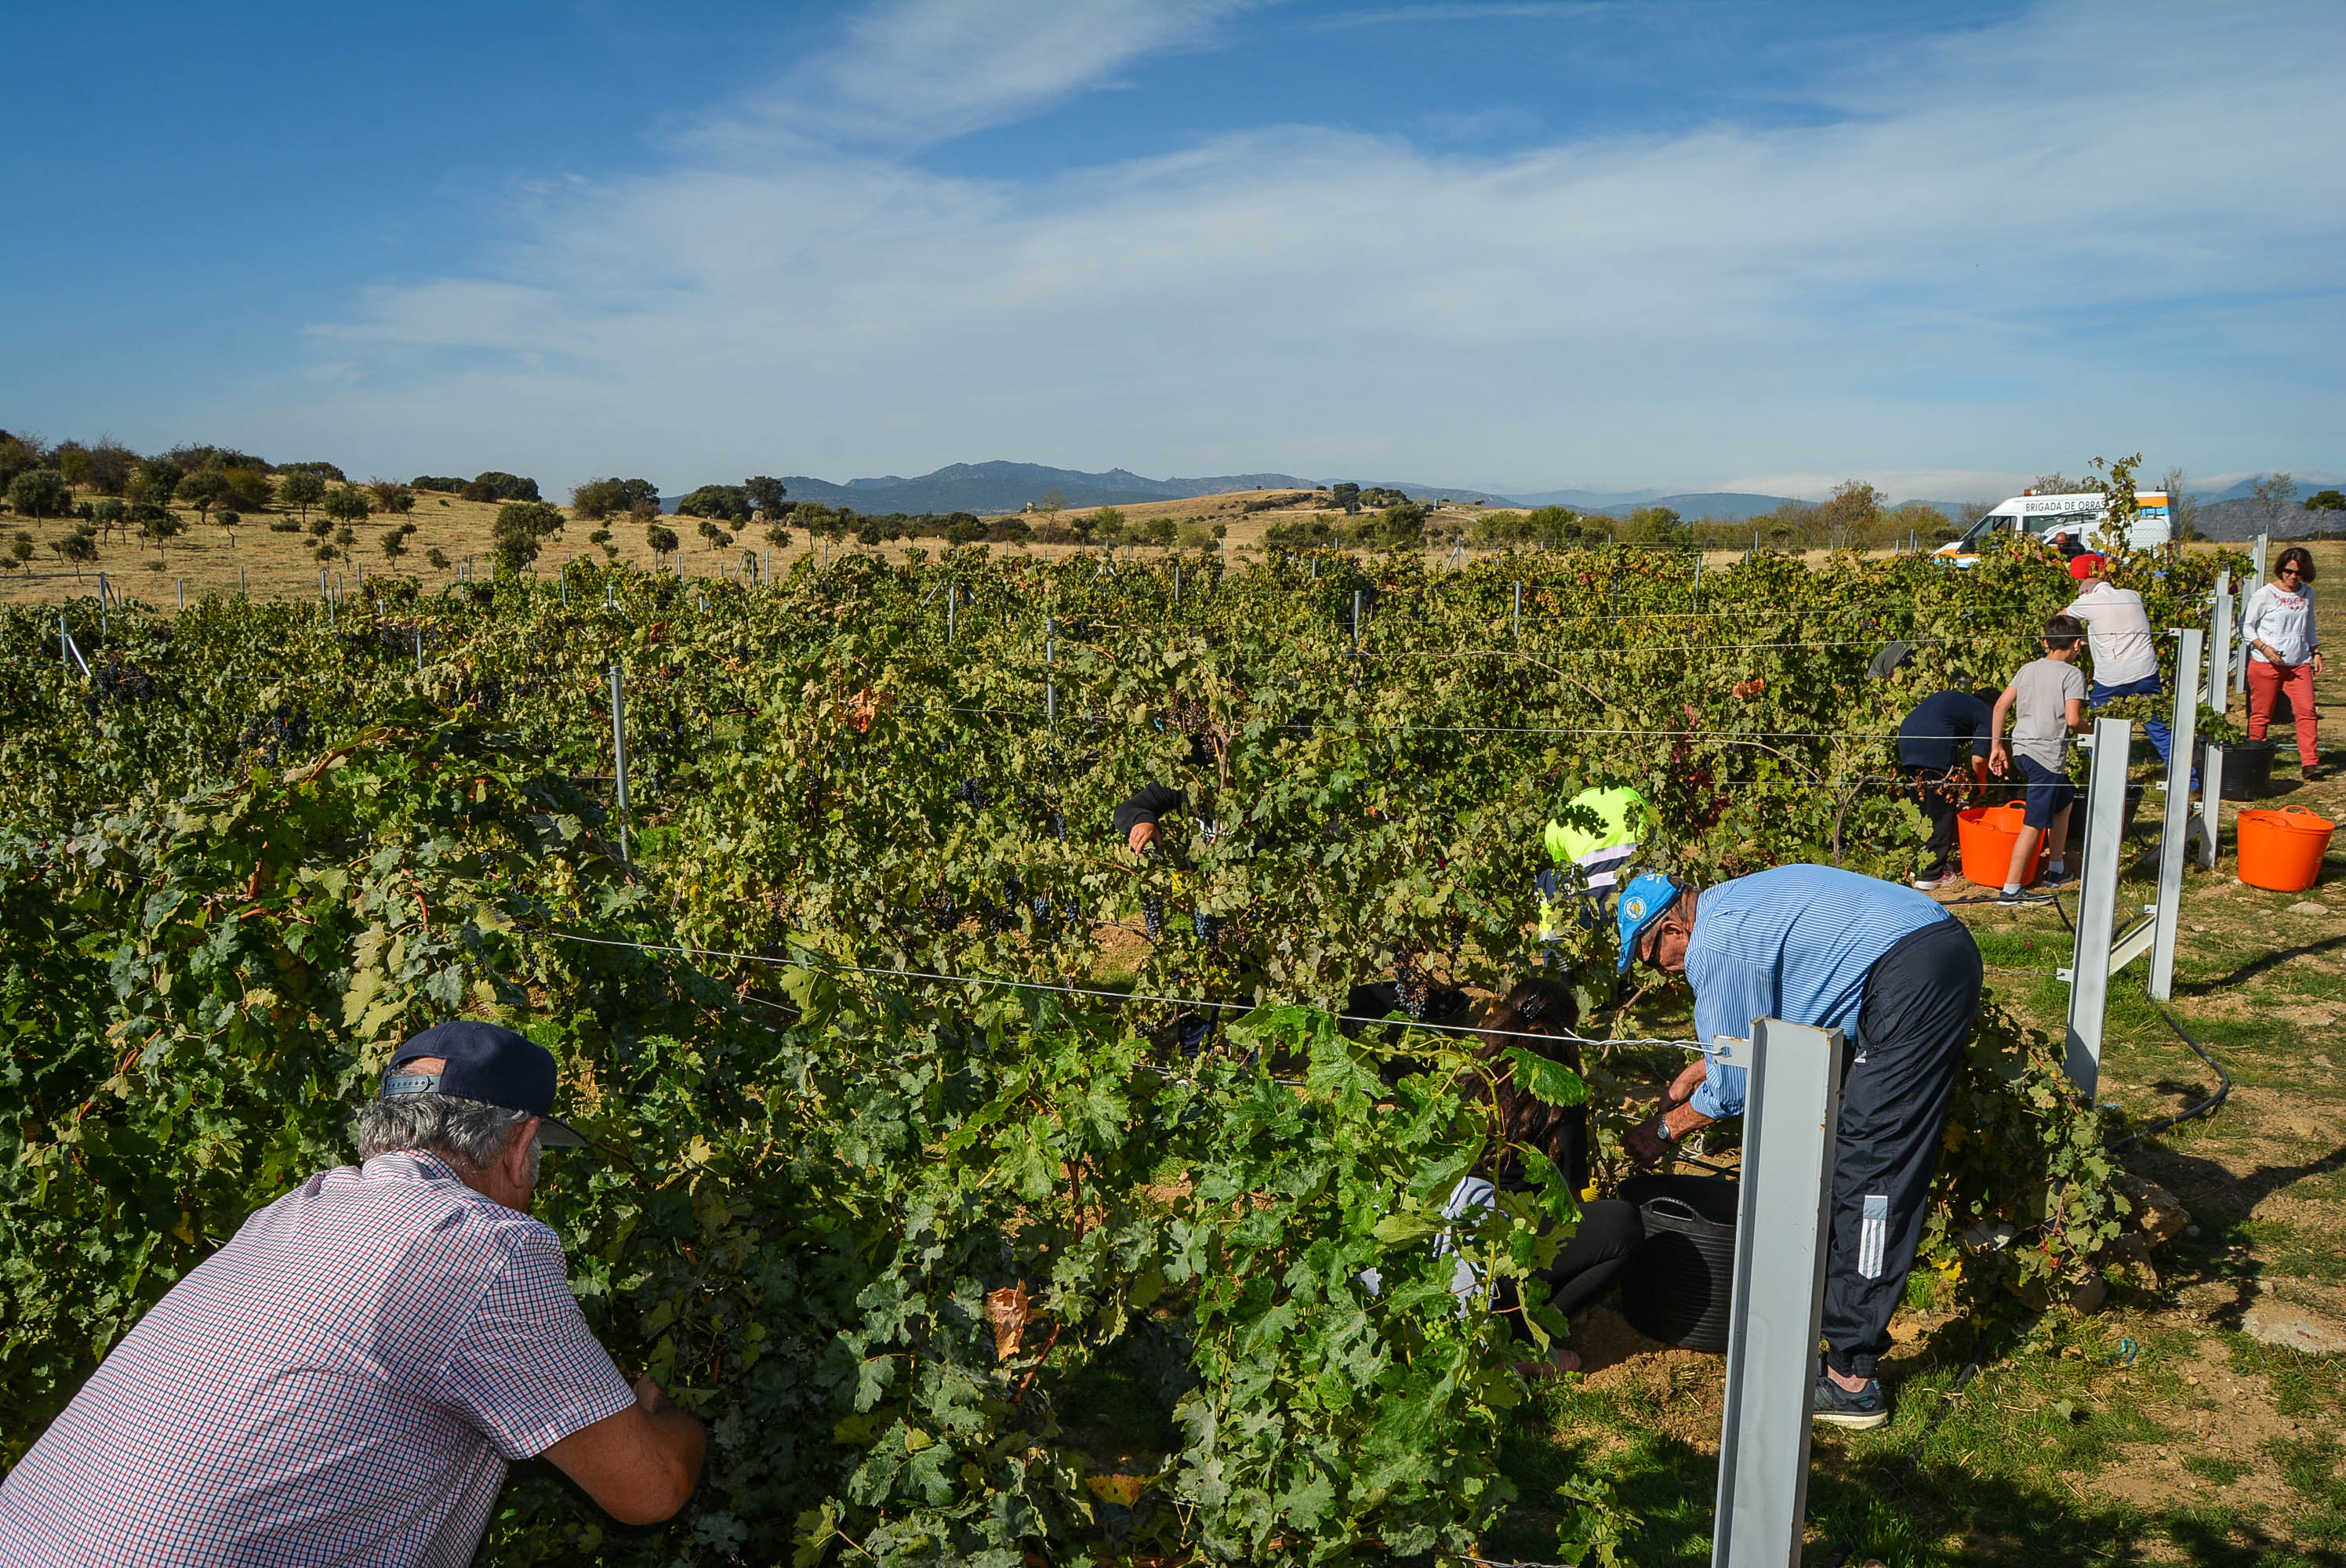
{"type": "Point", "coordinates": [1928, 883]}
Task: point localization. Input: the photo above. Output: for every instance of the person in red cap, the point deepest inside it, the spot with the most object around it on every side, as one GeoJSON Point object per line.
{"type": "Point", "coordinates": [347, 1380]}
{"type": "Point", "coordinates": [2117, 637]}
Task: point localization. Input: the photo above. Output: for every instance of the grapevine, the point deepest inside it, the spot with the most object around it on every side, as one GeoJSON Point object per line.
{"type": "Point", "coordinates": [884, 1232]}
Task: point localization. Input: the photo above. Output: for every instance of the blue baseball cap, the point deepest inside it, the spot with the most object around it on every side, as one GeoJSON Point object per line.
{"type": "Point", "coordinates": [486, 1063]}
{"type": "Point", "coordinates": [1643, 901]}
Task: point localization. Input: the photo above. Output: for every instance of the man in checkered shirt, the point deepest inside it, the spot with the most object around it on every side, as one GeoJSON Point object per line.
{"type": "Point", "coordinates": [346, 1380]}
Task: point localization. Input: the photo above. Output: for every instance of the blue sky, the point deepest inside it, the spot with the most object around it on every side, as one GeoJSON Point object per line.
{"type": "Point", "coordinates": [1524, 245]}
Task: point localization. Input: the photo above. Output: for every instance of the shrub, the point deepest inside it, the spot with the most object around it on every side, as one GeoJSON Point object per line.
{"type": "Point", "coordinates": [1318, 533]}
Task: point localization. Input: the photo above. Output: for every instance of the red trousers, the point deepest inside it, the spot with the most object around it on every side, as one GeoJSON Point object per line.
{"type": "Point", "coordinates": [2266, 683]}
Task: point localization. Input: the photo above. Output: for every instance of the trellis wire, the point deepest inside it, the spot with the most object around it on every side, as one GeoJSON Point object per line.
{"type": "Point", "coordinates": [1100, 992]}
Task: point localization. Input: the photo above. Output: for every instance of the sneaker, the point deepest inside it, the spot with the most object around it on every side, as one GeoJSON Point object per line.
{"type": "Point", "coordinates": [2058, 877]}
{"type": "Point", "coordinates": [1861, 1411]}
{"type": "Point", "coordinates": [2012, 896]}
{"type": "Point", "coordinates": [1930, 881]}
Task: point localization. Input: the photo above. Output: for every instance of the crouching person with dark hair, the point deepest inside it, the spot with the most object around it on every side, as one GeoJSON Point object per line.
{"type": "Point", "coordinates": [1537, 1016]}
{"type": "Point", "coordinates": [347, 1380]}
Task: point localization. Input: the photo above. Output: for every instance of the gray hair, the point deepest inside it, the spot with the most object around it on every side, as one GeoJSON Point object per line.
{"type": "Point", "coordinates": [472, 1134]}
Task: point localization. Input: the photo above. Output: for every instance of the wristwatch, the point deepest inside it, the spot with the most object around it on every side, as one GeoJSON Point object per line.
{"type": "Point", "coordinates": [1662, 1127]}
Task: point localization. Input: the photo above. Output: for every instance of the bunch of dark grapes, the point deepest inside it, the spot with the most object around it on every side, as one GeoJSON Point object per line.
{"type": "Point", "coordinates": [125, 682]}
{"type": "Point", "coordinates": [1411, 986]}
{"type": "Point", "coordinates": [274, 733]}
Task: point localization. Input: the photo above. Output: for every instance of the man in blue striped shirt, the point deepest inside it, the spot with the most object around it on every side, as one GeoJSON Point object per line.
{"type": "Point", "coordinates": [1899, 978]}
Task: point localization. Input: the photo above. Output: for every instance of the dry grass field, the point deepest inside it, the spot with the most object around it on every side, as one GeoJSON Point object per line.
{"type": "Point", "coordinates": [209, 559]}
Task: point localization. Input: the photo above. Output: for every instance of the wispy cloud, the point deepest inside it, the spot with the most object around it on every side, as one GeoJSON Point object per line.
{"type": "Point", "coordinates": [914, 72]}
{"type": "Point", "coordinates": [1998, 258]}
{"type": "Point", "coordinates": [1498, 10]}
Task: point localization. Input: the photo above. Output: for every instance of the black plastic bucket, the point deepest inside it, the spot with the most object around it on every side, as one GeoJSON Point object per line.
{"type": "Point", "coordinates": [2248, 769]}
{"type": "Point", "coordinates": [1678, 1283]}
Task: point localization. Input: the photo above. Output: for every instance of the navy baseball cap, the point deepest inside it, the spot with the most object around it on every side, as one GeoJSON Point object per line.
{"type": "Point", "coordinates": [486, 1063]}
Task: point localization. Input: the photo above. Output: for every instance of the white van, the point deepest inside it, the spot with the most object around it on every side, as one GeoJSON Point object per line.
{"type": "Point", "coordinates": [2068, 522]}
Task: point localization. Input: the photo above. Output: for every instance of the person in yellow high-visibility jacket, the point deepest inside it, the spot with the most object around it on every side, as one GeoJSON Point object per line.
{"type": "Point", "coordinates": [1598, 831]}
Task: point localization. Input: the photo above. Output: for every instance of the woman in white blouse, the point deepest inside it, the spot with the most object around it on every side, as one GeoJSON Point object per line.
{"type": "Point", "coordinates": [2284, 651]}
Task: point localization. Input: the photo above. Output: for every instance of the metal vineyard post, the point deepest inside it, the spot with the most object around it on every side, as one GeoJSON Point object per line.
{"type": "Point", "coordinates": [619, 756]}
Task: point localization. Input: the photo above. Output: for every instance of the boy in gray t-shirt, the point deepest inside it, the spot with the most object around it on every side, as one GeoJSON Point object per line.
{"type": "Point", "coordinates": [2046, 700]}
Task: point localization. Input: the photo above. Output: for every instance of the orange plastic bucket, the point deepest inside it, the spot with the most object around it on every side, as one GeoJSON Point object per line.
{"type": "Point", "coordinates": [1986, 834]}
{"type": "Point", "coordinates": [2282, 850]}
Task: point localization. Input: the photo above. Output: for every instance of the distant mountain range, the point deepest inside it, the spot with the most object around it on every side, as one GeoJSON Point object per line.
{"type": "Point", "coordinates": [996, 487]}
{"type": "Point", "coordinates": [989, 487]}
{"type": "Point", "coordinates": [2239, 518]}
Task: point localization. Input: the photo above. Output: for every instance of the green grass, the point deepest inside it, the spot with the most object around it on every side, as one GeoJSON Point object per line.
{"type": "Point", "coordinates": [1996, 1483]}
{"type": "Point", "coordinates": [2009, 1475]}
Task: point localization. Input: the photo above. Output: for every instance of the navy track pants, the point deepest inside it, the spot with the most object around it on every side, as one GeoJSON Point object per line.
{"type": "Point", "coordinates": [1920, 1000]}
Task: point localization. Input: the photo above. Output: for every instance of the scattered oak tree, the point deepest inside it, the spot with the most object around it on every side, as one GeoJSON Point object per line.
{"type": "Point", "coordinates": [40, 493]}
{"type": "Point", "coordinates": [497, 486]}
{"type": "Point", "coordinates": [159, 526]}
{"type": "Point", "coordinates": [718, 503]}
{"type": "Point", "coordinates": [347, 504]}
{"type": "Point", "coordinates": [597, 499]}
{"type": "Point", "coordinates": [768, 495]}
{"type": "Point", "coordinates": [78, 548]}
{"type": "Point", "coordinates": [202, 490]}
{"type": "Point", "coordinates": [302, 489]}
{"type": "Point", "coordinates": [521, 529]}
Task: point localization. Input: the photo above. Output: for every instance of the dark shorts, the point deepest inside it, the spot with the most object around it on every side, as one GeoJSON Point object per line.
{"type": "Point", "coordinates": [2049, 793]}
